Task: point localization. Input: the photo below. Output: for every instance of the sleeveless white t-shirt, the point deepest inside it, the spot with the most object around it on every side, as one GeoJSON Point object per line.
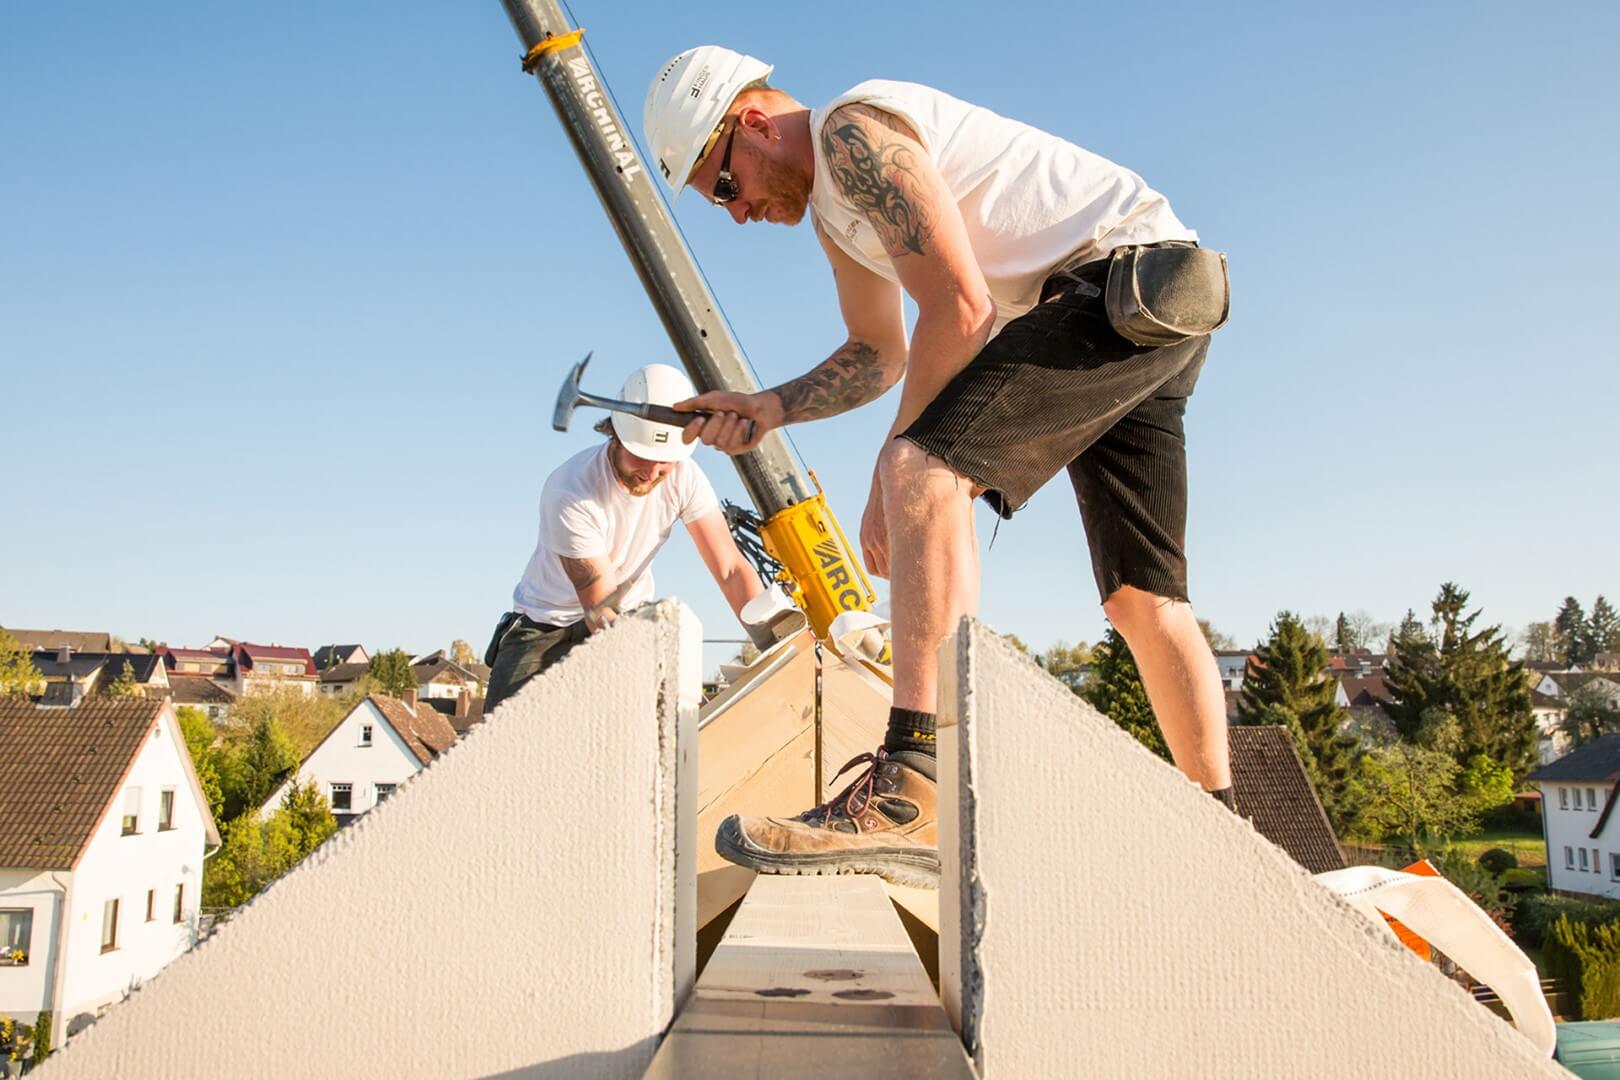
{"type": "Point", "coordinates": [1033, 203]}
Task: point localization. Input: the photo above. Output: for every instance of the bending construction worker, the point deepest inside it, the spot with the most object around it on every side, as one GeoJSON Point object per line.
{"type": "Point", "coordinates": [1018, 368]}
{"type": "Point", "coordinates": [604, 514]}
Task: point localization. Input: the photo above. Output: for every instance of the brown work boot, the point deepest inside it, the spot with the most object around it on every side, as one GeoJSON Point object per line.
{"type": "Point", "coordinates": [884, 823]}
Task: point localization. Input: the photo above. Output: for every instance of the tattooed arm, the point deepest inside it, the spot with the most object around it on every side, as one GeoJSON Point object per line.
{"type": "Point", "coordinates": [870, 360]}
{"type": "Point", "coordinates": [882, 170]}
{"type": "Point", "coordinates": [592, 580]}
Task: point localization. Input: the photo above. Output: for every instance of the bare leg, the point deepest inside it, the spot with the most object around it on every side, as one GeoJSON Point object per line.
{"type": "Point", "coordinates": [933, 562]}
{"type": "Point", "coordinates": [1181, 678]}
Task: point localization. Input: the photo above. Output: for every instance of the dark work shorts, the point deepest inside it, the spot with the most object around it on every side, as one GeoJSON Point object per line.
{"type": "Point", "coordinates": [1058, 388]}
{"type": "Point", "coordinates": [522, 648]}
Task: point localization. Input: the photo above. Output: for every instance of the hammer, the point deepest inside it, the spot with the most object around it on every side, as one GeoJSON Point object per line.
{"type": "Point", "coordinates": [571, 397]}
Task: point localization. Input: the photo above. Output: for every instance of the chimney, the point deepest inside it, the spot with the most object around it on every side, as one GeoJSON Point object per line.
{"type": "Point", "coordinates": [463, 703]}
{"type": "Point", "coordinates": [409, 698]}
{"type": "Point", "coordinates": [64, 653]}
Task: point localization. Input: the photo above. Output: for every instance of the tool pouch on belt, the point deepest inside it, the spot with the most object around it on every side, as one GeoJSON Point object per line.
{"type": "Point", "coordinates": [1162, 295]}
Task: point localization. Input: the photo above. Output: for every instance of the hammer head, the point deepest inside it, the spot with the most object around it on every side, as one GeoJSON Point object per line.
{"type": "Point", "coordinates": [568, 396]}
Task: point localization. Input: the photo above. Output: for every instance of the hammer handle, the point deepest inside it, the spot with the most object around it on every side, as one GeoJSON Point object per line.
{"type": "Point", "coordinates": [663, 414]}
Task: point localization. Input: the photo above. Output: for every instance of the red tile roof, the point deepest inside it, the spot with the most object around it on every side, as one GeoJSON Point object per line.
{"type": "Point", "coordinates": [425, 731]}
{"type": "Point", "coordinates": [59, 770]}
{"type": "Point", "coordinates": [198, 690]}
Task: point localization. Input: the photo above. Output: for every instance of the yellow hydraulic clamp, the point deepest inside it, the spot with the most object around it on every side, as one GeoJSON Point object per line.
{"type": "Point", "coordinates": [819, 568]}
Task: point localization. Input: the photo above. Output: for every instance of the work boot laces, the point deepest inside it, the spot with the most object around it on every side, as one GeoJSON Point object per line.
{"type": "Point", "coordinates": [854, 800]}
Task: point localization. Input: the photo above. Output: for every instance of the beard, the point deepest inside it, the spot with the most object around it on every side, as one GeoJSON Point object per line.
{"type": "Point", "coordinates": [634, 486]}
{"type": "Point", "coordinates": [789, 190]}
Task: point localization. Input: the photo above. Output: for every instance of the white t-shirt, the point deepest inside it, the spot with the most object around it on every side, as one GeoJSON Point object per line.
{"type": "Point", "coordinates": [1032, 203]}
{"type": "Point", "coordinates": [585, 512]}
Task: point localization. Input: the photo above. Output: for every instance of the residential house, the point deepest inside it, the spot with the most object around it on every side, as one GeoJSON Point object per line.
{"type": "Point", "coordinates": [1363, 697]}
{"type": "Point", "coordinates": [437, 676]}
{"type": "Point", "coordinates": [79, 674]}
{"type": "Point", "coordinates": [330, 656]}
{"type": "Point", "coordinates": [340, 679]}
{"type": "Point", "coordinates": [201, 692]}
{"type": "Point", "coordinates": [1606, 661]}
{"type": "Point", "coordinates": [463, 711]}
{"type": "Point", "coordinates": [52, 640]}
{"type": "Point", "coordinates": [380, 744]}
{"type": "Point", "coordinates": [103, 832]}
{"type": "Point", "coordinates": [1578, 796]}
{"type": "Point", "coordinates": [1553, 742]}
{"type": "Point", "coordinates": [208, 663]}
{"type": "Point", "coordinates": [244, 668]}
{"type": "Point", "coordinates": [1274, 793]}
{"type": "Point", "coordinates": [1234, 665]}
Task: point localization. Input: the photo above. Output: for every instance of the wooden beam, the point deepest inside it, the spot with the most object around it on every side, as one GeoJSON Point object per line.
{"type": "Point", "coordinates": [814, 977]}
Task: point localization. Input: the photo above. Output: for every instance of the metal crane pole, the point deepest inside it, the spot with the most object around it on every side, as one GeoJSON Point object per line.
{"type": "Point", "coordinates": [689, 311]}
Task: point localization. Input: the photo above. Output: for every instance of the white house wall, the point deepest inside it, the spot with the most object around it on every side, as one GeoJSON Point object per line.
{"type": "Point", "coordinates": [342, 759]}
{"type": "Point", "coordinates": [1569, 828]}
{"type": "Point", "coordinates": [25, 990]}
{"type": "Point", "coordinates": [121, 867]}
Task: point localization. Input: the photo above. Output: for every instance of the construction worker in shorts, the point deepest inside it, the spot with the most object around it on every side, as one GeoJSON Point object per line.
{"type": "Point", "coordinates": [1003, 235]}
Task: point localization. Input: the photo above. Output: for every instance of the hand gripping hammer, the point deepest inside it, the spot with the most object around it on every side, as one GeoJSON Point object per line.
{"type": "Point", "coordinates": [571, 397]}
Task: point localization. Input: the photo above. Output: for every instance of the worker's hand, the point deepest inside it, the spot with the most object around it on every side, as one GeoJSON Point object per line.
{"type": "Point", "coordinates": [727, 428]}
{"type": "Point", "coordinates": [875, 534]}
{"type": "Point", "coordinates": [600, 617]}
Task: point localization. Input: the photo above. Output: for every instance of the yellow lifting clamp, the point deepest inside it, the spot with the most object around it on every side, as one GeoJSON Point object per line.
{"type": "Point", "coordinates": [819, 568]}
{"type": "Point", "coordinates": [550, 44]}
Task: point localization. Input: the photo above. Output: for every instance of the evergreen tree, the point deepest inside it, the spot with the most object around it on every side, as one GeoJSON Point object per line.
{"type": "Point", "coordinates": [310, 815]}
{"type": "Point", "coordinates": [1115, 689]}
{"type": "Point", "coordinates": [124, 685]}
{"type": "Point", "coordinates": [392, 670]}
{"type": "Point", "coordinates": [1573, 633]}
{"type": "Point", "coordinates": [1287, 683]}
{"type": "Point", "coordinates": [1603, 628]}
{"type": "Point", "coordinates": [1462, 679]}
{"type": "Point", "coordinates": [18, 675]}
{"type": "Point", "coordinates": [255, 768]}
{"type": "Point", "coordinates": [1344, 639]}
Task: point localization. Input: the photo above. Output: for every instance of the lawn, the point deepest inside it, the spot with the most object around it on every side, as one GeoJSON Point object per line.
{"type": "Point", "coordinates": [1526, 844]}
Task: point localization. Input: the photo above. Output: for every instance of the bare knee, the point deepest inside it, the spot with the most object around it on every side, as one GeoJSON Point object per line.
{"type": "Point", "coordinates": [923, 479]}
{"type": "Point", "coordinates": [1135, 611]}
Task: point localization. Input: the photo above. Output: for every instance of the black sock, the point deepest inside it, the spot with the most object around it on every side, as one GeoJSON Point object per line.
{"type": "Point", "coordinates": [1226, 798]}
{"type": "Point", "coordinates": [910, 739]}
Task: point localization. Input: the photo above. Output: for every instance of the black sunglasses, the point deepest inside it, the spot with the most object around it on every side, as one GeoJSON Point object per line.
{"type": "Point", "coordinates": [725, 187]}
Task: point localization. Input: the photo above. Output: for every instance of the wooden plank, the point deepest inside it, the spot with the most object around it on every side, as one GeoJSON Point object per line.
{"type": "Point", "coordinates": [815, 977]}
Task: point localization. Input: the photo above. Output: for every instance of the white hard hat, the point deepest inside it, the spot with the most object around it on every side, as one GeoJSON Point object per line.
{"type": "Point", "coordinates": [659, 384]}
{"type": "Point", "coordinates": [687, 100]}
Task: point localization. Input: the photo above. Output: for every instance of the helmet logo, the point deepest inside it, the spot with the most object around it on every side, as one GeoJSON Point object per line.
{"type": "Point", "coordinates": [661, 437]}
{"type": "Point", "coordinates": [701, 81]}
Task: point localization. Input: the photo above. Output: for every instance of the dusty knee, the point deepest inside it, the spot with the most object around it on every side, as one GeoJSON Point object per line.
{"type": "Point", "coordinates": [906, 467]}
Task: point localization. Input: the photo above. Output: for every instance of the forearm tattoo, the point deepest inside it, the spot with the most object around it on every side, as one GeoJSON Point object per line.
{"type": "Point", "coordinates": [849, 377]}
{"type": "Point", "coordinates": [581, 572]}
{"type": "Point", "coordinates": [876, 170]}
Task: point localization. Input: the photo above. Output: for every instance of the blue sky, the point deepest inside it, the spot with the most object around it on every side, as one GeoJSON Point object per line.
{"type": "Point", "coordinates": [286, 294]}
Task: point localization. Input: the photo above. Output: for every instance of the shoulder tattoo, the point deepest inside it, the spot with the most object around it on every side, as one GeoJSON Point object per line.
{"type": "Point", "coordinates": [877, 169]}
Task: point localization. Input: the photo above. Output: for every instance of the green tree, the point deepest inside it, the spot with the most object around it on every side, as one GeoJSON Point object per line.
{"type": "Point", "coordinates": [1067, 663]}
{"type": "Point", "coordinates": [254, 768]}
{"type": "Point", "coordinates": [1574, 633]}
{"type": "Point", "coordinates": [255, 852]}
{"type": "Point", "coordinates": [305, 718]}
{"type": "Point", "coordinates": [392, 670]}
{"type": "Point", "coordinates": [1344, 639]}
{"type": "Point", "coordinates": [1590, 715]}
{"type": "Point", "coordinates": [1464, 675]}
{"type": "Point", "coordinates": [309, 814]}
{"type": "Point", "coordinates": [1216, 639]}
{"type": "Point", "coordinates": [1603, 627]}
{"type": "Point", "coordinates": [1115, 689]}
{"type": "Point", "coordinates": [42, 1036]}
{"type": "Point", "coordinates": [200, 736]}
{"type": "Point", "coordinates": [1287, 683]}
{"type": "Point", "coordinates": [18, 675]}
{"type": "Point", "coordinates": [124, 685]}
{"type": "Point", "coordinates": [1408, 792]}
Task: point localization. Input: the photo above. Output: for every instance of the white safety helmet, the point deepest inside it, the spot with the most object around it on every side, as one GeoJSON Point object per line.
{"type": "Point", "coordinates": [687, 100]}
{"type": "Point", "coordinates": [659, 384]}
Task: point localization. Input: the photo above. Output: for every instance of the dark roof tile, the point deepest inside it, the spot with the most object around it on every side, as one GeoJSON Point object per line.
{"type": "Point", "coordinates": [1275, 794]}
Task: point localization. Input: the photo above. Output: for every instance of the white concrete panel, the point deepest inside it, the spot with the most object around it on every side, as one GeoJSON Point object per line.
{"type": "Point", "coordinates": [520, 908]}
{"type": "Point", "coordinates": [1102, 916]}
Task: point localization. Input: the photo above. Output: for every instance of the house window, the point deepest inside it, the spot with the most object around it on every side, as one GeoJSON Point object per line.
{"type": "Point", "coordinates": [109, 926]}
{"type": "Point", "coordinates": [365, 735]}
{"type": "Point", "coordinates": [383, 791]}
{"type": "Point", "coordinates": [166, 810]}
{"type": "Point", "coordinates": [1614, 867]}
{"type": "Point", "coordinates": [151, 904]}
{"type": "Point", "coordinates": [1563, 798]}
{"type": "Point", "coordinates": [180, 903]}
{"type": "Point", "coordinates": [132, 811]}
{"type": "Point", "coordinates": [16, 936]}
{"type": "Point", "coordinates": [1583, 859]}
{"type": "Point", "coordinates": [342, 796]}
{"type": "Point", "coordinates": [1591, 798]}
{"type": "Point", "coordinates": [1569, 857]}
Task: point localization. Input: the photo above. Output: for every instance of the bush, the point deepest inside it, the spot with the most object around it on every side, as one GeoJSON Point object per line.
{"type": "Point", "coordinates": [1534, 916]}
{"type": "Point", "coordinates": [1586, 957]}
{"type": "Point", "coordinates": [1498, 860]}
{"type": "Point", "coordinates": [1521, 879]}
